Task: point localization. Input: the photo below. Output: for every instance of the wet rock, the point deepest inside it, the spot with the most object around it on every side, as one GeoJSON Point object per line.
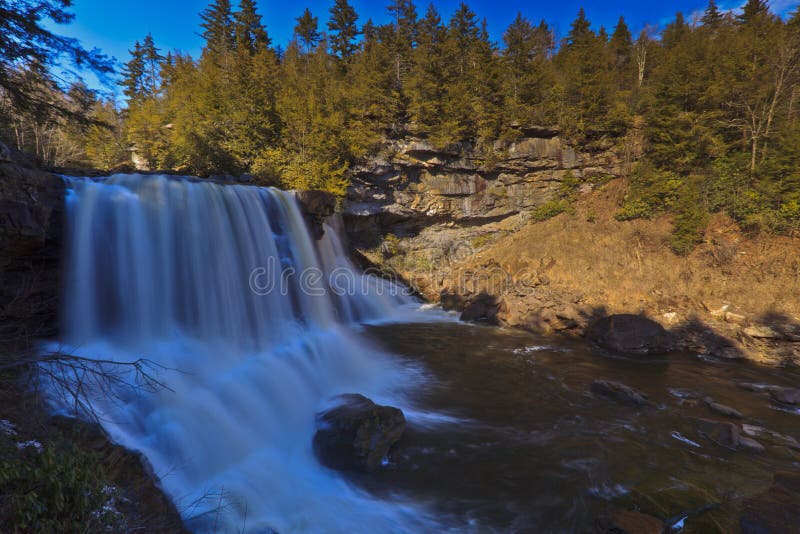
{"type": "Point", "coordinates": [776, 510]}
{"type": "Point", "coordinates": [721, 408]}
{"type": "Point", "coordinates": [316, 207]}
{"type": "Point", "coordinates": [771, 436]}
{"type": "Point", "coordinates": [621, 521]}
{"type": "Point", "coordinates": [632, 335]}
{"type": "Point", "coordinates": [31, 229]}
{"type": "Point", "coordinates": [357, 434]}
{"type": "Point", "coordinates": [757, 387]}
{"type": "Point", "coordinates": [483, 307]}
{"type": "Point", "coordinates": [619, 392]}
{"type": "Point", "coordinates": [786, 396]}
{"type": "Point", "coordinates": [5, 153]}
{"type": "Point", "coordinates": [727, 435]}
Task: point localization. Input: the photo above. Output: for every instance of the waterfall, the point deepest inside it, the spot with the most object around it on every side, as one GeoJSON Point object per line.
{"type": "Point", "coordinates": [250, 322]}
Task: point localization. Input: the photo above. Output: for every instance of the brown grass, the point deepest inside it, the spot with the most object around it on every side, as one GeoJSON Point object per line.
{"type": "Point", "coordinates": [626, 266]}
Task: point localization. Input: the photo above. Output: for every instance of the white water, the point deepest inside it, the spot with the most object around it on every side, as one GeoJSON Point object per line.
{"type": "Point", "coordinates": [159, 268]}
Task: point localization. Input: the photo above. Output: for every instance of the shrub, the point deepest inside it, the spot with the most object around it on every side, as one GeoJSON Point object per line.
{"type": "Point", "coordinates": [549, 209]}
{"type": "Point", "coordinates": [56, 490]}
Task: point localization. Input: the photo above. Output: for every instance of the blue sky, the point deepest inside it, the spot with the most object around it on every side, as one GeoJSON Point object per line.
{"type": "Point", "coordinates": [114, 25]}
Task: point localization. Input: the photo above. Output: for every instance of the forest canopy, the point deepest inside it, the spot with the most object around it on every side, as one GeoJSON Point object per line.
{"type": "Point", "coordinates": [714, 98]}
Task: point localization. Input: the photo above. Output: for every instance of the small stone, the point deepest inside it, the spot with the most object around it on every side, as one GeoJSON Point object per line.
{"type": "Point", "coordinates": [619, 392]}
{"type": "Point", "coordinates": [786, 395]}
{"type": "Point", "coordinates": [761, 332]}
{"type": "Point", "coordinates": [750, 444]}
{"type": "Point", "coordinates": [671, 318]}
{"type": "Point", "coordinates": [735, 318]}
{"type": "Point", "coordinates": [720, 432]}
{"type": "Point", "coordinates": [721, 408]}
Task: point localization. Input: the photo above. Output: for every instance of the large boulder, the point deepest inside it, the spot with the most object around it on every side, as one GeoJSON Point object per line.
{"type": "Point", "coordinates": [630, 335]}
{"type": "Point", "coordinates": [357, 434]}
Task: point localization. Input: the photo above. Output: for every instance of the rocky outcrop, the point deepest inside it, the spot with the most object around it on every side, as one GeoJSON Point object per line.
{"type": "Point", "coordinates": [31, 226]}
{"type": "Point", "coordinates": [316, 207]}
{"type": "Point", "coordinates": [414, 185]}
{"type": "Point", "coordinates": [357, 434]}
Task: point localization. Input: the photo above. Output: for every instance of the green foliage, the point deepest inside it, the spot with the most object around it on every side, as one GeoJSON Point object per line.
{"type": "Point", "coordinates": [549, 209]}
{"type": "Point", "coordinates": [651, 192]}
{"type": "Point", "coordinates": [56, 490]}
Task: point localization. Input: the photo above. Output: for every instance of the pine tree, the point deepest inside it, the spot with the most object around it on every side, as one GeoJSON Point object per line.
{"type": "Point", "coordinates": [621, 44]}
{"type": "Point", "coordinates": [752, 11]}
{"type": "Point", "coordinates": [526, 55]}
{"type": "Point", "coordinates": [580, 33]}
{"type": "Point", "coordinates": [218, 27]}
{"type": "Point", "coordinates": [404, 24]}
{"type": "Point", "coordinates": [427, 82]}
{"type": "Point", "coordinates": [133, 73]}
{"type": "Point", "coordinates": [151, 79]}
{"type": "Point", "coordinates": [250, 33]}
{"type": "Point", "coordinates": [343, 30]}
{"type": "Point", "coordinates": [712, 16]}
{"type": "Point", "coordinates": [307, 30]}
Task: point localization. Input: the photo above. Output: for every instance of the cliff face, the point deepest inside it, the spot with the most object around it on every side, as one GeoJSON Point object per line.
{"type": "Point", "coordinates": [414, 186]}
{"type": "Point", "coordinates": [31, 226]}
{"type": "Point", "coordinates": [467, 233]}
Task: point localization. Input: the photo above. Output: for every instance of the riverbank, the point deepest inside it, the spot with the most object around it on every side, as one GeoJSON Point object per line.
{"type": "Point", "coordinates": [537, 262]}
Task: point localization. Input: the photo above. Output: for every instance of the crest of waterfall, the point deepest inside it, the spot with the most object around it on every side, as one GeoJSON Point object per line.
{"type": "Point", "coordinates": [249, 320]}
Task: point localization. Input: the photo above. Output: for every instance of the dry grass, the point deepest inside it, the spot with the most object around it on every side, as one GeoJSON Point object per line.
{"type": "Point", "coordinates": [626, 266]}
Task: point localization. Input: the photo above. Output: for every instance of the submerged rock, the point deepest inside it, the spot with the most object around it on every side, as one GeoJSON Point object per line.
{"type": "Point", "coordinates": [722, 409]}
{"type": "Point", "coordinates": [621, 521]}
{"type": "Point", "coordinates": [777, 509]}
{"type": "Point", "coordinates": [727, 435]}
{"type": "Point", "coordinates": [786, 395]}
{"type": "Point", "coordinates": [619, 392]}
{"type": "Point", "coordinates": [630, 335]}
{"type": "Point", "coordinates": [357, 433]}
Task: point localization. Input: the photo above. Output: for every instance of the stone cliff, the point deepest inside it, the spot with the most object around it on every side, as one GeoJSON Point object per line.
{"type": "Point", "coordinates": [478, 235]}
{"type": "Point", "coordinates": [31, 226]}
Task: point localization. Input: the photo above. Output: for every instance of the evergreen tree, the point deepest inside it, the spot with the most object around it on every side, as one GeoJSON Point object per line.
{"type": "Point", "coordinates": [218, 28]}
{"type": "Point", "coordinates": [580, 33]}
{"type": "Point", "coordinates": [404, 24]}
{"type": "Point", "coordinates": [526, 55]}
{"type": "Point", "coordinates": [133, 73]}
{"type": "Point", "coordinates": [621, 45]}
{"type": "Point", "coordinates": [250, 33]}
{"type": "Point", "coordinates": [712, 16]}
{"type": "Point", "coordinates": [307, 30]}
{"type": "Point", "coordinates": [343, 30]}
{"type": "Point", "coordinates": [752, 11]}
{"type": "Point", "coordinates": [151, 79]}
{"type": "Point", "coordinates": [427, 83]}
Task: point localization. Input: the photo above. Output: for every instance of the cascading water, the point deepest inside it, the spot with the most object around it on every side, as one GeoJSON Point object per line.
{"type": "Point", "coordinates": [225, 290]}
